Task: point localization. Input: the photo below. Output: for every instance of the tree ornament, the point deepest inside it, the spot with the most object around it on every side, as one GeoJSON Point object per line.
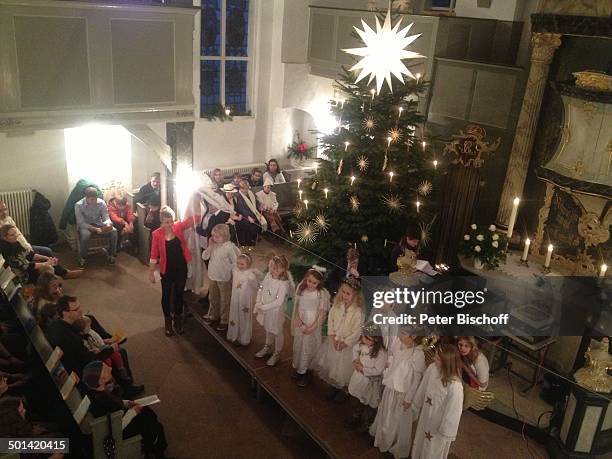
{"type": "Point", "coordinates": [339, 171]}
{"type": "Point", "coordinates": [362, 163]}
{"type": "Point", "coordinates": [354, 203]}
{"type": "Point", "coordinates": [395, 134]}
{"type": "Point", "coordinates": [306, 233]}
{"type": "Point", "coordinates": [383, 52]}
{"type": "Point", "coordinates": [321, 222]}
{"type": "Point", "coordinates": [393, 203]}
{"type": "Point", "coordinates": [369, 125]}
{"type": "Point", "coordinates": [425, 187]}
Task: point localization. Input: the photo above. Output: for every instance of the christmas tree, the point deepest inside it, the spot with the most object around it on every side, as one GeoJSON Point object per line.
{"type": "Point", "coordinates": [375, 176]}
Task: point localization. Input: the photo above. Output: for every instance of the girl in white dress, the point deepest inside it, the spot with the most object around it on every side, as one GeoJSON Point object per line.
{"type": "Point", "coordinates": [475, 369]}
{"type": "Point", "coordinates": [245, 281]}
{"type": "Point", "coordinates": [392, 428]}
{"type": "Point", "coordinates": [270, 307]}
{"type": "Point", "coordinates": [335, 359]}
{"type": "Point", "coordinates": [440, 402]}
{"type": "Point", "coordinates": [309, 313]}
{"type": "Point", "coordinates": [369, 361]}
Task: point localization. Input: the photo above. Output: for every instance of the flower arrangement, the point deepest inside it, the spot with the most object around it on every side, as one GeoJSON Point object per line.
{"type": "Point", "coordinates": [484, 244]}
{"type": "Point", "coordinates": [299, 149]}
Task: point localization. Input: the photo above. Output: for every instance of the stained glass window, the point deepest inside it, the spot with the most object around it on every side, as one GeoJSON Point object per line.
{"type": "Point", "coordinates": [224, 56]}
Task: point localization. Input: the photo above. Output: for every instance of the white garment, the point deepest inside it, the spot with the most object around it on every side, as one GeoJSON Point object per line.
{"type": "Point", "coordinates": [280, 178]}
{"type": "Point", "coordinates": [366, 386]}
{"type": "Point", "coordinates": [222, 259]}
{"type": "Point", "coordinates": [392, 427]}
{"type": "Point", "coordinates": [343, 325]}
{"type": "Point", "coordinates": [308, 306]}
{"type": "Point", "coordinates": [20, 237]}
{"type": "Point", "coordinates": [267, 201]}
{"type": "Point", "coordinates": [93, 341]}
{"type": "Point", "coordinates": [251, 202]}
{"type": "Point", "coordinates": [244, 292]}
{"type": "Point", "coordinates": [440, 412]}
{"type": "Point", "coordinates": [389, 331]}
{"type": "Point", "coordinates": [271, 303]}
{"type": "Point", "coordinates": [481, 368]}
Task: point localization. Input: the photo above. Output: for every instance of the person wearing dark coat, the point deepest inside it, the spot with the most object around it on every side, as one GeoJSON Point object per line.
{"type": "Point", "coordinates": [149, 190]}
{"type": "Point", "coordinates": [138, 420]}
{"type": "Point", "coordinates": [251, 225]}
{"type": "Point", "coordinates": [42, 228]}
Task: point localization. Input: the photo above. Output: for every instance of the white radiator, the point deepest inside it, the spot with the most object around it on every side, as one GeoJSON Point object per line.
{"type": "Point", "coordinates": [19, 203]}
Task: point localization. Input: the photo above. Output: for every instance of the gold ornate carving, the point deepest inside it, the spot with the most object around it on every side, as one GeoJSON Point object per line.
{"type": "Point", "coordinates": [470, 147]}
{"type": "Point", "coordinates": [544, 46]}
{"type": "Point", "coordinates": [592, 230]}
{"type": "Point", "coordinates": [593, 81]}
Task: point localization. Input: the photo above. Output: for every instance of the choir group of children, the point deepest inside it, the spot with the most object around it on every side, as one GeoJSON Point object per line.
{"type": "Point", "coordinates": [386, 374]}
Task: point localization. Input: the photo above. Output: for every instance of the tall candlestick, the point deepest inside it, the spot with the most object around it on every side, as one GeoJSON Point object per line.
{"type": "Point", "coordinates": [548, 256]}
{"type": "Point", "coordinates": [526, 249]}
{"type": "Point", "coordinates": [352, 179]}
{"type": "Point", "coordinates": [391, 174]}
{"type": "Point", "coordinates": [418, 205]}
{"type": "Point", "coordinates": [326, 190]}
{"type": "Point", "coordinates": [512, 221]}
{"type": "Point", "coordinates": [602, 270]}
{"type": "Point", "coordinates": [346, 144]}
{"type": "Point", "coordinates": [435, 163]}
{"type": "Point", "coordinates": [306, 203]}
{"type": "Point", "coordinates": [299, 182]}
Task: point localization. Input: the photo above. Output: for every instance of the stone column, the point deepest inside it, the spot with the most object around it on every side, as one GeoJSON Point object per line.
{"type": "Point", "coordinates": [544, 46]}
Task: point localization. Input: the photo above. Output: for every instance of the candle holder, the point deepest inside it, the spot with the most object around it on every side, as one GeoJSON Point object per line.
{"type": "Point", "coordinates": [546, 270]}
{"type": "Point", "coordinates": [524, 263]}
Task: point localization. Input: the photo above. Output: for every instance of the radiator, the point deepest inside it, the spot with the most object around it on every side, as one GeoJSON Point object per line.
{"type": "Point", "coordinates": [19, 203]}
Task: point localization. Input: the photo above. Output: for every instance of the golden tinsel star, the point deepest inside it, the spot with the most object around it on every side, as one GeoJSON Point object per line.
{"type": "Point", "coordinates": [363, 162]}
{"type": "Point", "coordinates": [321, 222]}
{"type": "Point", "coordinates": [425, 187]}
{"type": "Point", "coordinates": [354, 203]}
{"type": "Point", "coordinates": [395, 134]}
{"type": "Point", "coordinates": [306, 233]}
{"type": "Point", "coordinates": [297, 210]}
{"type": "Point", "coordinates": [365, 238]}
{"type": "Point", "coordinates": [425, 234]}
{"type": "Point", "coordinates": [393, 203]}
{"type": "Point", "coordinates": [369, 124]}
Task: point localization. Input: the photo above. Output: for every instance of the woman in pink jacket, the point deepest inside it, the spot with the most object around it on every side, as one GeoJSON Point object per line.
{"type": "Point", "coordinates": [170, 256]}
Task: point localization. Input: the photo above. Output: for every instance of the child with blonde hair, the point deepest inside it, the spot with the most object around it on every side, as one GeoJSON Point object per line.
{"type": "Point", "coordinates": [440, 402]}
{"type": "Point", "coordinates": [475, 368]}
{"type": "Point", "coordinates": [244, 292]}
{"type": "Point", "coordinates": [309, 313]}
{"type": "Point", "coordinates": [222, 254]}
{"type": "Point", "coordinates": [270, 307]}
{"type": "Point", "coordinates": [335, 360]}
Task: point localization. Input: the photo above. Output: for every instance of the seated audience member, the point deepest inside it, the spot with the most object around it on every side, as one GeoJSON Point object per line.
{"type": "Point", "coordinates": [217, 178]}
{"type": "Point", "coordinates": [268, 206]}
{"type": "Point", "coordinates": [92, 218]}
{"type": "Point", "coordinates": [254, 222]}
{"type": "Point", "coordinates": [123, 219]}
{"type": "Point", "coordinates": [236, 178]}
{"type": "Point", "coordinates": [152, 220]}
{"type": "Point", "coordinates": [5, 219]}
{"type": "Point", "coordinates": [273, 172]}
{"type": "Point", "coordinates": [149, 190]}
{"type": "Point", "coordinates": [256, 178]}
{"type": "Point", "coordinates": [15, 424]}
{"type": "Point", "coordinates": [138, 420]}
{"type": "Point", "coordinates": [352, 267]}
{"type": "Point", "coordinates": [475, 370]}
{"type": "Point", "coordinates": [27, 265]}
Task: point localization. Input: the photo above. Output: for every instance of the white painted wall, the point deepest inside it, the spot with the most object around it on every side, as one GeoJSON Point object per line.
{"type": "Point", "coordinates": [503, 10]}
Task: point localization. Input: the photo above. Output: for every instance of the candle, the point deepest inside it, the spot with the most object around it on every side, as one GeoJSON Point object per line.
{"type": "Point", "coordinates": [291, 234]}
{"type": "Point", "coordinates": [391, 174]}
{"type": "Point", "coordinates": [389, 139]}
{"type": "Point", "coordinates": [300, 193]}
{"type": "Point", "coordinates": [299, 181]}
{"type": "Point", "coordinates": [306, 203]}
{"type": "Point", "coordinates": [512, 221]}
{"type": "Point", "coordinates": [355, 244]}
{"type": "Point", "coordinates": [227, 112]}
{"type": "Point", "coordinates": [316, 167]}
{"type": "Point", "coordinates": [424, 145]}
{"type": "Point", "coordinates": [526, 249]}
{"type": "Point", "coordinates": [346, 144]}
{"type": "Point", "coordinates": [435, 163]}
{"type": "Point", "coordinates": [418, 204]}
{"type": "Point", "coordinates": [400, 110]}
{"type": "Point", "coordinates": [602, 270]}
{"type": "Point", "coordinates": [548, 256]}
{"type": "Point", "coordinates": [352, 179]}
{"type": "Point", "coordinates": [418, 77]}
{"type": "Point", "coordinates": [385, 243]}
{"type": "Point", "coordinates": [373, 92]}
{"type": "Point", "coordinates": [326, 190]}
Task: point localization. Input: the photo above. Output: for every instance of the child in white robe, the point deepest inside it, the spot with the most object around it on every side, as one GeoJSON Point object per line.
{"type": "Point", "coordinates": [440, 402]}
{"type": "Point", "coordinates": [335, 359]}
{"type": "Point", "coordinates": [270, 308]}
{"type": "Point", "coordinates": [369, 360]}
{"type": "Point", "coordinates": [309, 313]}
{"type": "Point", "coordinates": [392, 428]}
{"type": "Point", "coordinates": [245, 281]}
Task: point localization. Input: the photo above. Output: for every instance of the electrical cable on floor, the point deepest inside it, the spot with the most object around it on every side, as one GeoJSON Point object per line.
{"type": "Point", "coordinates": [518, 416]}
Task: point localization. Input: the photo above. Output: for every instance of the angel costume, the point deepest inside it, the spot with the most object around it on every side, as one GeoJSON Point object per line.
{"type": "Point", "coordinates": [244, 292]}
{"type": "Point", "coordinates": [441, 409]}
{"type": "Point", "coordinates": [343, 326]}
{"type": "Point", "coordinates": [392, 428]}
{"type": "Point", "coordinates": [366, 386]}
{"type": "Point", "coordinates": [309, 306]}
{"type": "Point", "coordinates": [270, 308]}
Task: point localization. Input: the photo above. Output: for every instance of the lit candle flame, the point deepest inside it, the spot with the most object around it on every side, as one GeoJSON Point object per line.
{"type": "Point", "coordinates": [435, 163]}
{"type": "Point", "coordinates": [300, 193]}
{"type": "Point", "coordinates": [424, 144]}
{"type": "Point", "coordinates": [299, 181]}
{"type": "Point", "coordinates": [352, 179]}
{"type": "Point", "coordinates": [373, 92]}
{"type": "Point", "coordinates": [326, 190]}
{"type": "Point", "coordinates": [418, 205]}
{"type": "Point", "coordinates": [401, 109]}
{"type": "Point", "coordinates": [346, 145]}
{"type": "Point", "coordinates": [391, 174]}
{"type": "Point", "coordinates": [306, 203]}
{"type": "Point", "coordinates": [227, 112]}
{"type": "Point", "coordinates": [389, 139]}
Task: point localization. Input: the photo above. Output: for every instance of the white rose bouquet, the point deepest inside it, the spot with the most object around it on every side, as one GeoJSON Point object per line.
{"type": "Point", "coordinates": [484, 243]}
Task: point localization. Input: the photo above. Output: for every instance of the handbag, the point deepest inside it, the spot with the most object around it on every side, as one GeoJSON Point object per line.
{"type": "Point", "coordinates": [109, 445]}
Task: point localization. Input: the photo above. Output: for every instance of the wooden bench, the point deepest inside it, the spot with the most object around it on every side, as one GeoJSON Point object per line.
{"type": "Point", "coordinates": [96, 428]}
